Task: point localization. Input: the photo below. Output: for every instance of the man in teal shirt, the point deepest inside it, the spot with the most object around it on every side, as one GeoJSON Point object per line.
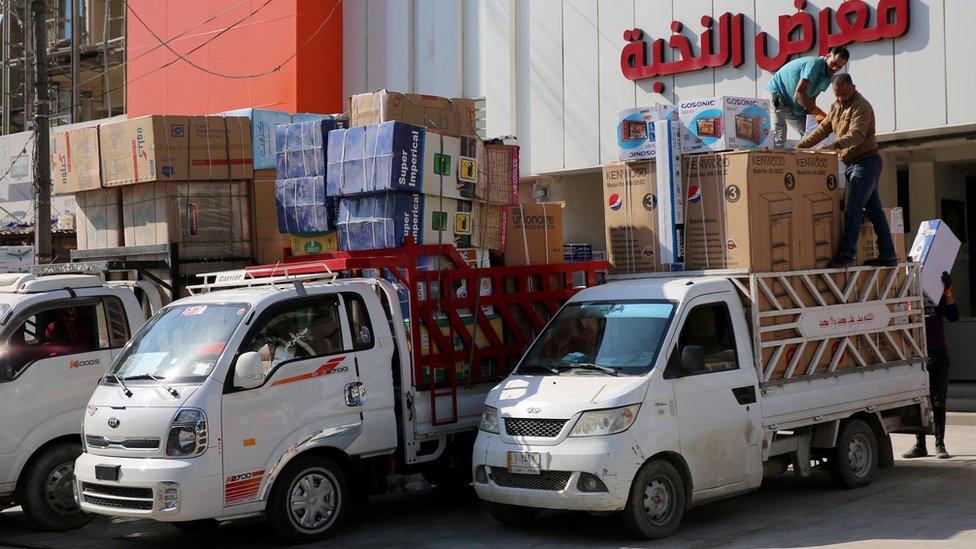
{"type": "Point", "coordinates": [795, 87]}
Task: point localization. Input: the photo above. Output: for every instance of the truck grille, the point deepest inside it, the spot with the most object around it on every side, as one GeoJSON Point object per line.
{"type": "Point", "coordinates": [552, 481]}
{"type": "Point", "coordinates": [96, 441]}
{"type": "Point", "coordinates": [525, 427]}
{"type": "Point", "coordinates": [118, 497]}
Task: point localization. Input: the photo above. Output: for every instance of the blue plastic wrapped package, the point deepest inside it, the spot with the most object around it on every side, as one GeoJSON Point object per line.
{"type": "Point", "coordinates": [301, 147]}
{"type": "Point", "coordinates": [303, 206]}
{"type": "Point", "coordinates": [377, 221]}
{"type": "Point", "coordinates": [379, 157]}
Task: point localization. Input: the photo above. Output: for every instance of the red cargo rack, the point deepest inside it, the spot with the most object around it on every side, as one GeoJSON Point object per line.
{"type": "Point", "coordinates": [524, 298]}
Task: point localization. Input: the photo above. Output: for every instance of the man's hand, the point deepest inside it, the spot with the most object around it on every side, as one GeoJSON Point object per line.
{"type": "Point", "coordinates": [946, 284]}
{"type": "Point", "coordinates": [819, 114]}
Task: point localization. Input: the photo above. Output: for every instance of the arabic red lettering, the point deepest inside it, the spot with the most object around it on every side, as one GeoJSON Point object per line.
{"type": "Point", "coordinates": [632, 58]}
{"type": "Point", "coordinates": [737, 38]}
{"type": "Point", "coordinates": [853, 19]}
{"type": "Point", "coordinates": [796, 36]}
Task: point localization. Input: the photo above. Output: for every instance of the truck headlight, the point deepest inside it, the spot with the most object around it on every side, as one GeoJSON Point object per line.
{"type": "Point", "coordinates": [605, 422]}
{"type": "Point", "coordinates": [187, 434]}
{"type": "Point", "coordinates": [489, 420]}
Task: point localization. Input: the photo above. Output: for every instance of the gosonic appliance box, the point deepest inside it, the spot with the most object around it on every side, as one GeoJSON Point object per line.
{"type": "Point", "coordinates": [636, 133]}
{"type": "Point", "coordinates": [725, 123]}
{"type": "Point", "coordinates": [382, 220]}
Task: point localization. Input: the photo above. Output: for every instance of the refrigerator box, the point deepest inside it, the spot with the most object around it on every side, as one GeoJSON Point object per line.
{"type": "Point", "coordinates": [209, 220]}
{"type": "Point", "coordinates": [867, 240]}
{"type": "Point", "coordinates": [636, 133]}
{"type": "Point", "coordinates": [312, 244]}
{"type": "Point", "coordinates": [98, 218]}
{"type": "Point", "coordinates": [382, 220]}
{"type": "Point", "coordinates": [725, 123]}
{"type": "Point", "coordinates": [240, 158]}
{"type": "Point", "coordinates": [500, 173]}
{"type": "Point", "coordinates": [267, 243]}
{"type": "Point", "coordinates": [935, 248]}
{"type": "Point", "coordinates": [301, 147]}
{"type": "Point", "coordinates": [630, 211]}
{"type": "Point", "coordinates": [209, 158]}
{"type": "Point", "coordinates": [75, 160]}
{"type": "Point", "coordinates": [303, 206]}
{"type": "Point", "coordinates": [263, 122]}
{"type": "Point", "coordinates": [534, 234]}
{"type": "Point", "coordinates": [144, 150]}
{"type": "Point", "coordinates": [454, 117]}
{"type": "Point", "coordinates": [762, 211]}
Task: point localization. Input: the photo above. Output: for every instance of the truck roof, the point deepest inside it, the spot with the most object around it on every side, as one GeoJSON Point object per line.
{"type": "Point", "coordinates": [676, 287]}
{"type": "Point", "coordinates": [255, 295]}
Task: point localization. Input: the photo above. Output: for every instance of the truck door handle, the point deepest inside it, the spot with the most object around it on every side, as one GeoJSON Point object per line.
{"type": "Point", "coordinates": [355, 393]}
{"type": "Point", "coordinates": [745, 395]}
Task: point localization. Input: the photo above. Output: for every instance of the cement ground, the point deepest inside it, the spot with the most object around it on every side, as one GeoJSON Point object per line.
{"type": "Point", "coordinates": [919, 503]}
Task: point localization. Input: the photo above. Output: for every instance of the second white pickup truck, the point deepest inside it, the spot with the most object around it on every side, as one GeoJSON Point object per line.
{"type": "Point", "coordinates": [651, 396]}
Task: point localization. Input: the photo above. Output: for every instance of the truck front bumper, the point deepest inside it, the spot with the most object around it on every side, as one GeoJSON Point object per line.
{"type": "Point", "coordinates": [567, 468]}
{"type": "Point", "coordinates": [169, 490]}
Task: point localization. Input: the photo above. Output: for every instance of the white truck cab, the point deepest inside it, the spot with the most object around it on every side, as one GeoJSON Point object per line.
{"type": "Point", "coordinates": [58, 334]}
{"type": "Point", "coordinates": [650, 396]}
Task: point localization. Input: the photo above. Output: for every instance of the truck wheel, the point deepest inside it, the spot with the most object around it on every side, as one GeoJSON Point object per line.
{"type": "Point", "coordinates": [512, 515]}
{"type": "Point", "coordinates": [657, 500]}
{"type": "Point", "coordinates": [855, 458]}
{"type": "Point", "coordinates": [309, 500]}
{"type": "Point", "coordinates": [48, 498]}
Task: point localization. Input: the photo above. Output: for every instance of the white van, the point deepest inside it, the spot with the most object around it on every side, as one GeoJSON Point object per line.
{"type": "Point", "coordinates": [650, 396]}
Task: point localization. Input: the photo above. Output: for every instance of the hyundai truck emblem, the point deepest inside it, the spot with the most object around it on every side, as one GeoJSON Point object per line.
{"type": "Point", "coordinates": [113, 422]}
{"type": "Point", "coordinates": [534, 410]}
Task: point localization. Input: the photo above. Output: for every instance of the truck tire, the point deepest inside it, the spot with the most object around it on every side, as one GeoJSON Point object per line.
{"type": "Point", "coordinates": [309, 500]}
{"type": "Point", "coordinates": [855, 457]}
{"type": "Point", "coordinates": [47, 496]}
{"type": "Point", "coordinates": [657, 500]}
{"type": "Point", "coordinates": [512, 515]}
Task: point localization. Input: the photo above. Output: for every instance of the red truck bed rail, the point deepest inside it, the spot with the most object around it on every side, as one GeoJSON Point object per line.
{"type": "Point", "coordinates": [476, 322]}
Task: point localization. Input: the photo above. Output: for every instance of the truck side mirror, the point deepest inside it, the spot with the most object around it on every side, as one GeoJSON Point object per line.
{"type": "Point", "coordinates": [248, 372]}
{"type": "Point", "coordinates": [692, 359]}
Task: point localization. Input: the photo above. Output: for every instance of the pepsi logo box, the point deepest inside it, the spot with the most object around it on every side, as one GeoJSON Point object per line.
{"type": "Point", "coordinates": [630, 211]}
{"type": "Point", "coordinates": [725, 123]}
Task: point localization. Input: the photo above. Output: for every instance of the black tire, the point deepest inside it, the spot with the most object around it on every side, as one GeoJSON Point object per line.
{"type": "Point", "coordinates": [307, 475]}
{"type": "Point", "coordinates": [201, 526]}
{"type": "Point", "coordinates": [657, 500]}
{"type": "Point", "coordinates": [512, 515]}
{"type": "Point", "coordinates": [47, 496]}
{"type": "Point", "coordinates": [854, 460]}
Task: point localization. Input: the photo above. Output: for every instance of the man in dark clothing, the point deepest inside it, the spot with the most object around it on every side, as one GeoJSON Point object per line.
{"type": "Point", "coordinates": [938, 367]}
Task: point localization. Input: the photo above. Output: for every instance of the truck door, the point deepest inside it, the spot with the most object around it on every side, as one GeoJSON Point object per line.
{"type": "Point", "coordinates": [308, 359]}
{"type": "Point", "coordinates": [718, 416]}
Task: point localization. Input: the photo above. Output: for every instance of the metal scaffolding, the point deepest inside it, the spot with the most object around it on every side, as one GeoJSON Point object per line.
{"type": "Point", "coordinates": [86, 61]}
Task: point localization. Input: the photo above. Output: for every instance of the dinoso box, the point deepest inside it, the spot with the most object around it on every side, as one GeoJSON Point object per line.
{"type": "Point", "coordinates": [725, 123]}
{"type": "Point", "coordinates": [635, 131]}
{"type": "Point", "coordinates": [630, 209]}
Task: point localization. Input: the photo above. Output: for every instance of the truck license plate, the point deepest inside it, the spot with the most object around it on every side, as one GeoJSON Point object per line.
{"type": "Point", "coordinates": [529, 463]}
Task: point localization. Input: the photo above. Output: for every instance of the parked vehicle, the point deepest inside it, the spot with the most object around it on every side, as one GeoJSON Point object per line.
{"type": "Point", "coordinates": [650, 396]}
{"type": "Point", "coordinates": [59, 335]}
{"type": "Point", "coordinates": [287, 391]}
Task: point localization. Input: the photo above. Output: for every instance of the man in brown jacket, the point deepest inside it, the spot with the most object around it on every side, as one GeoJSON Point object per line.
{"type": "Point", "coordinates": [851, 120]}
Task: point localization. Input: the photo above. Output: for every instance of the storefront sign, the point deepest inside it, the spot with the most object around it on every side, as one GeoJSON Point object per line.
{"type": "Point", "coordinates": [723, 44]}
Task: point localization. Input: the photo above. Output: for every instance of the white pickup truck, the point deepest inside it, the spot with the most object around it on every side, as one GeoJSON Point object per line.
{"type": "Point", "coordinates": [59, 334]}
{"type": "Point", "coordinates": [650, 396]}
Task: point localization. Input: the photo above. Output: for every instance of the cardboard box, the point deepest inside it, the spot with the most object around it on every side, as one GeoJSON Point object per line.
{"type": "Point", "coordinates": [98, 219]}
{"type": "Point", "coordinates": [724, 123]}
{"type": "Point", "coordinates": [670, 194]}
{"type": "Point", "coordinates": [383, 220]}
{"type": "Point", "coordinates": [449, 116]}
{"type": "Point", "coordinates": [935, 247]}
{"type": "Point", "coordinates": [263, 124]}
{"type": "Point", "coordinates": [762, 211]}
{"type": "Point", "coordinates": [500, 173]}
{"type": "Point", "coordinates": [16, 154]}
{"type": "Point", "coordinates": [630, 210]}
{"type": "Point", "coordinates": [268, 244]}
{"type": "Point", "coordinates": [315, 243]}
{"type": "Point", "coordinates": [209, 158]}
{"type": "Point", "coordinates": [303, 206]}
{"type": "Point", "coordinates": [867, 240]}
{"type": "Point", "coordinates": [209, 220]}
{"type": "Point", "coordinates": [145, 149]}
{"type": "Point", "coordinates": [534, 235]}
{"type": "Point", "coordinates": [240, 159]}
{"type": "Point", "coordinates": [75, 160]}
{"type": "Point", "coordinates": [636, 133]}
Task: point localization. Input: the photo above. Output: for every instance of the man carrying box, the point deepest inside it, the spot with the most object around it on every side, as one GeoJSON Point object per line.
{"type": "Point", "coordinates": [795, 87]}
{"type": "Point", "coordinates": [851, 119]}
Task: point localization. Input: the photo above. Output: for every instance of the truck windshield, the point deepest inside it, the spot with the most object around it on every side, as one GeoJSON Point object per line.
{"type": "Point", "coordinates": [610, 337]}
{"type": "Point", "coordinates": [180, 344]}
